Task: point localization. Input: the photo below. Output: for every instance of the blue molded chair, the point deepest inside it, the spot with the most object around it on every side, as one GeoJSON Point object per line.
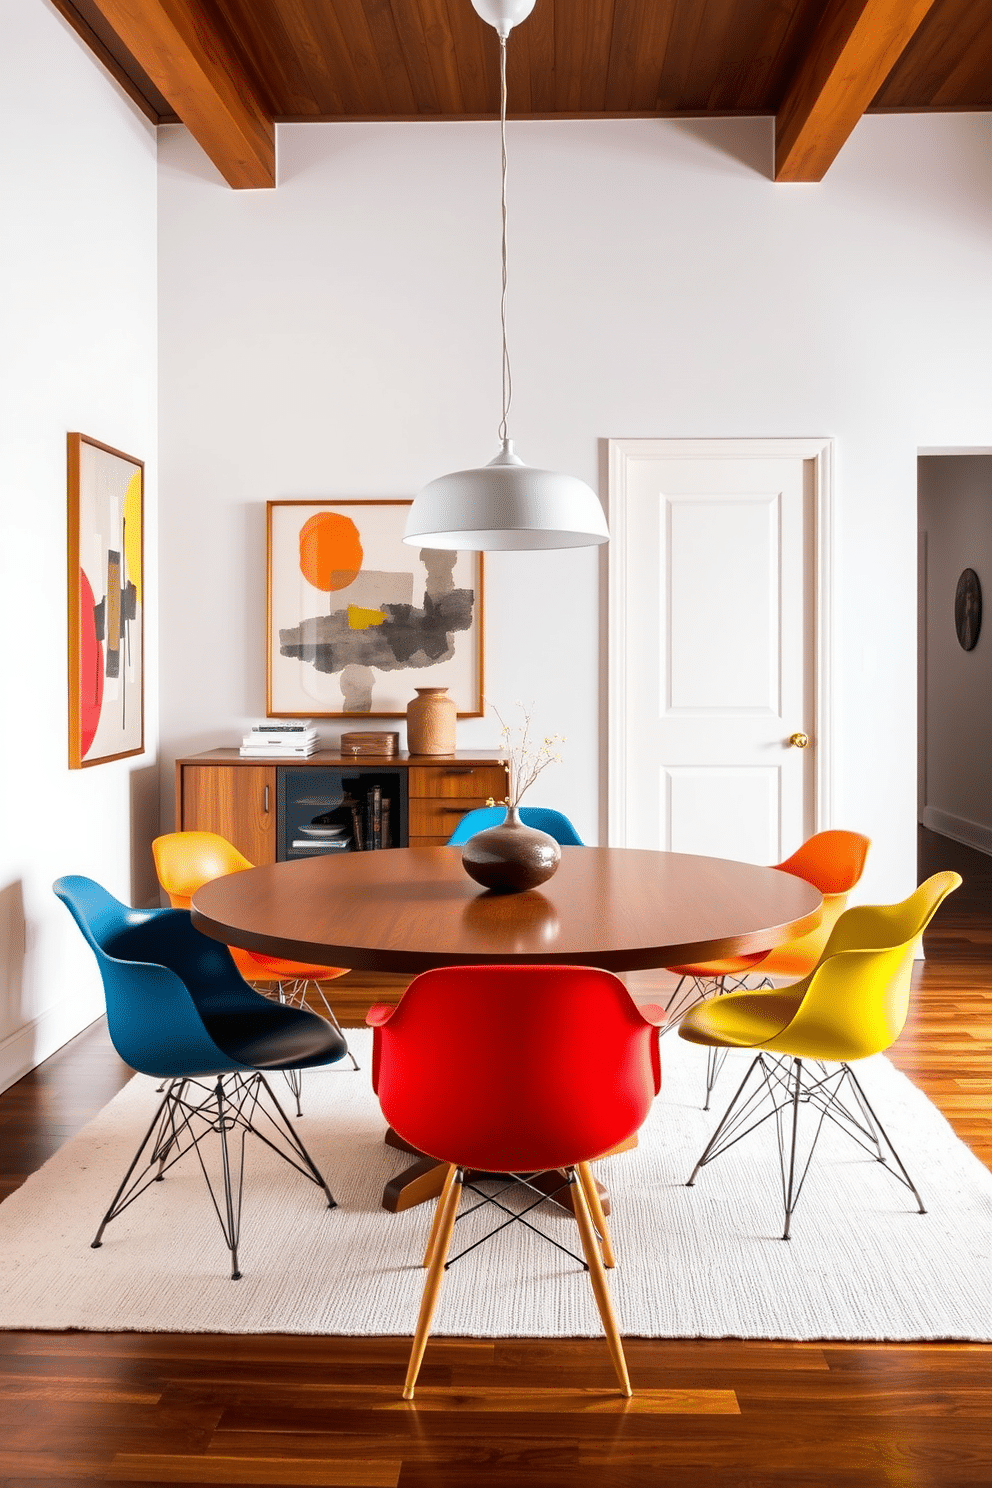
{"type": "Point", "coordinates": [178, 1008]}
{"type": "Point", "coordinates": [544, 818]}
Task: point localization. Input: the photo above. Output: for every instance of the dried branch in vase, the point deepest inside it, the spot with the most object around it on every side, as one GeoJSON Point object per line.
{"type": "Point", "coordinates": [527, 755]}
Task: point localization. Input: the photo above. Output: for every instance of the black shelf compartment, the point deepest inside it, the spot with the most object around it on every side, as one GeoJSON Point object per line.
{"type": "Point", "coordinates": [305, 796]}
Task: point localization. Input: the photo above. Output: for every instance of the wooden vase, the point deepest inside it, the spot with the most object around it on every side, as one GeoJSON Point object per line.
{"type": "Point", "coordinates": [430, 722]}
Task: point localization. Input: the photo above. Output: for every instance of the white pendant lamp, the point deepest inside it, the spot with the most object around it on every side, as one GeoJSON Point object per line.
{"type": "Point", "coordinates": [505, 504]}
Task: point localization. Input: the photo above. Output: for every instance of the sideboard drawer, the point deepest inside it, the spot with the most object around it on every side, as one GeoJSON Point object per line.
{"type": "Point", "coordinates": [438, 818]}
{"type": "Point", "coordinates": [458, 782]}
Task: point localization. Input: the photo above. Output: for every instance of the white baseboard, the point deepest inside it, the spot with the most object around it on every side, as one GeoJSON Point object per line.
{"type": "Point", "coordinates": [33, 1042]}
{"type": "Point", "coordinates": [958, 828]}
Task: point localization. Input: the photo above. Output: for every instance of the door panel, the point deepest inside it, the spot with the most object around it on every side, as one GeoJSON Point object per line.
{"type": "Point", "coordinates": [716, 568]}
{"type": "Point", "coordinates": [723, 812]}
{"type": "Point", "coordinates": [723, 630]}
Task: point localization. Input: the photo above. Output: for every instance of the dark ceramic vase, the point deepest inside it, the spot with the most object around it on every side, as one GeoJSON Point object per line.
{"type": "Point", "coordinates": [511, 857]}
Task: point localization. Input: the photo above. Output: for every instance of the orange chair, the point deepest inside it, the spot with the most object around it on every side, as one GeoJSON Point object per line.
{"type": "Point", "coordinates": [516, 1070]}
{"type": "Point", "coordinates": [832, 862]}
{"type": "Point", "coordinates": [184, 861]}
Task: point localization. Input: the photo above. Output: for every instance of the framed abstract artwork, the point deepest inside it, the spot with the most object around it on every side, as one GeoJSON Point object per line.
{"type": "Point", "coordinates": [356, 619]}
{"type": "Point", "coordinates": [106, 607]}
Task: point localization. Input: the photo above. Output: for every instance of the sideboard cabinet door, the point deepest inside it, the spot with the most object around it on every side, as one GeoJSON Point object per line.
{"type": "Point", "coordinates": [237, 801]}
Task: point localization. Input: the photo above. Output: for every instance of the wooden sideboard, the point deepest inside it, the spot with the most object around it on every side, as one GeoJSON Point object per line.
{"type": "Point", "coordinates": [219, 791]}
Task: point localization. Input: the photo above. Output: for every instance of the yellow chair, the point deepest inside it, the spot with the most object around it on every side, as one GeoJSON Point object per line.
{"type": "Point", "coordinates": [854, 1004]}
{"type": "Point", "coordinates": [184, 861]}
{"type": "Point", "coordinates": [832, 862]}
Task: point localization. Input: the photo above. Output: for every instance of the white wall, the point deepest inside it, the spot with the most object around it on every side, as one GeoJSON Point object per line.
{"type": "Point", "coordinates": [956, 520]}
{"type": "Point", "coordinates": [339, 337]}
{"type": "Point", "coordinates": [78, 338]}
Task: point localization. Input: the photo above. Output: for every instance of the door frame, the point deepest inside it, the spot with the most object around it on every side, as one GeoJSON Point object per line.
{"type": "Point", "coordinates": [624, 453]}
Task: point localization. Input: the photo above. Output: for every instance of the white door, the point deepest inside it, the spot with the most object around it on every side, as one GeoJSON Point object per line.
{"type": "Point", "coordinates": [717, 570]}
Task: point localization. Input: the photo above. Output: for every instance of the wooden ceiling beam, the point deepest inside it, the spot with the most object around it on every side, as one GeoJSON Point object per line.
{"type": "Point", "coordinates": [193, 64]}
{"type": "Point", "coordinates": [852, 52]}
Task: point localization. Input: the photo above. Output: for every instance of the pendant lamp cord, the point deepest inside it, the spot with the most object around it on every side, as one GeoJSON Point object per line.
{"type": "Point", "coordinates": [507, 379]}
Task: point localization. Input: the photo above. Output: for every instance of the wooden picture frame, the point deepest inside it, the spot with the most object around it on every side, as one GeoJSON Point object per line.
{"type": "Point", "coordinates": [106, 603]}
{"type": "Point", "coordinates": [356, 619]}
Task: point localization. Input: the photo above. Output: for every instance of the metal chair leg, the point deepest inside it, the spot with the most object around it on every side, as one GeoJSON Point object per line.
{"type": "Point", "coordinates": [715, 1059]}
{"type": "Point", "coordinates": [232, 1210]}
{"type": "Point", "coordinates": [790, 1193]}
{"type": "Point", "coordinates": [881, 1130]}
{"type": "Point", "coordinates": [159, 1119]}
{"type": "Point", "coordinates": [294, 1079]}
{"type": "Point", "coordinates": [727, 1124]}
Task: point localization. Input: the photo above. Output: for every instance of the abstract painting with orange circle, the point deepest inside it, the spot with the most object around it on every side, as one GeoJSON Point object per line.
{"type": "Point", "coordinates": [106, 611]}
{"type": "Point", "coordinates": [357, 619]}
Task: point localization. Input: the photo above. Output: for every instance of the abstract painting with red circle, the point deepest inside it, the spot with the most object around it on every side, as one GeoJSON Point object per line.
{"type": "Point", "coordinates": [358, 620]}
{"type": "Point", "coordinates": [106, 612]}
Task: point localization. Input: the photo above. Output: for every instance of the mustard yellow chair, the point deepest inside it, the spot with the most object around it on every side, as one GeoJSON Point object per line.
{"type": "Point", "coordinates": [184, 861]}
{"type": "Point", "coordinates": [832, 862]}
{"type": "Point", "coordinates": [854, 1004]}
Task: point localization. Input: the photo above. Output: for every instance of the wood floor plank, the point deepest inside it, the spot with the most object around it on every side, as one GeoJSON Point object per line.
{"type": "Point", "coordinates": [554, 1402]}
{"type": "Point", "coordinates": [50, 1467]}
{"type": "Point", "coordinates": [534, 1400]}
{"type": "Point", "coordinates": [135, 1468]}
{"type": "Point", "coordinates": [92, 1392]}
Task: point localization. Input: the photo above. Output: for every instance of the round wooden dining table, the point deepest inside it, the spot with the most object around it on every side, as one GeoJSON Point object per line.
{"type": "Point", "coordinates": [410, 909]}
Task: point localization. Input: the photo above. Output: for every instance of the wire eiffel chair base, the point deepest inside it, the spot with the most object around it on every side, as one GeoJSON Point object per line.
{"type": "Point", "coordinates": [699, 987]}
{"type": "Point", "coordinates": [189, 1114]}
{"type": "Point", "coordinates": [784, 1085]}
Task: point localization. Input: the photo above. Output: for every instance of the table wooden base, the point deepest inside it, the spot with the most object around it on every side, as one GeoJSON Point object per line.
{"type": "Point", "coordinates": [424, 1179]}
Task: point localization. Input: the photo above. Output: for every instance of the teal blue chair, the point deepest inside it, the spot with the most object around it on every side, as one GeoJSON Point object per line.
{"type": "Point", "coordinates": [544, 818]}
{"type": "Point", "coordinates": [178, 1009]}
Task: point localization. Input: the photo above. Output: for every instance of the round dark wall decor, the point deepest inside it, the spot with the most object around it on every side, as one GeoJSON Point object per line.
{"type": "Point", "coordinates": [968, 609]}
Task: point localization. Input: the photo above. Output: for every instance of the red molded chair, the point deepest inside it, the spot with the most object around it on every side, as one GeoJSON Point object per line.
{"type": "Point", "coordinates": [519, 1070]}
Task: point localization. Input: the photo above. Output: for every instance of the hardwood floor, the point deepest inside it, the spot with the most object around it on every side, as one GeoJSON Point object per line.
{"type": "Point", "coordinates": [156, 1408]}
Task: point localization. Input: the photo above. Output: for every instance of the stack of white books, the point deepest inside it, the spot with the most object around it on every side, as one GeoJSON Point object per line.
{"type": "Point", "coordinates": [271, 739]}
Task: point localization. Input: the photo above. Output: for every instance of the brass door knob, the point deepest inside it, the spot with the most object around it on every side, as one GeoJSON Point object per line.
{"type": "Point", "coordinates": [799, 741]}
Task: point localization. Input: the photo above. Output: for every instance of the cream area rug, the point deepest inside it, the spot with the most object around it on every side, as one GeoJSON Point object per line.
{"type": "Point", "coordinates": [699, 1262]}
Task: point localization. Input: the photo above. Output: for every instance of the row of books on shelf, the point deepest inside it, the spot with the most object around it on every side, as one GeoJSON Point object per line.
{"type": "Point", "coordinates": [371, 825]}
{"type": "Point", "coordinates": [294, 739]}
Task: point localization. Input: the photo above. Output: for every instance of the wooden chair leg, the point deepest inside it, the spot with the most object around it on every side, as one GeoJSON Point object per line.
{"type": "Point", "coordinates": [432, 1285]}
{"type": "Point", "coordinates": [436, 1223]}
{"type": "Point", "coordinates": [600, 1286]}
{"type": "Point", "coordinates": [596, 1210]}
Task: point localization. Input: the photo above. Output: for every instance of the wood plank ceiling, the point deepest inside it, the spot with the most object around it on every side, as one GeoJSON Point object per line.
{"type": "Point", "coordinates": [231, 69]}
